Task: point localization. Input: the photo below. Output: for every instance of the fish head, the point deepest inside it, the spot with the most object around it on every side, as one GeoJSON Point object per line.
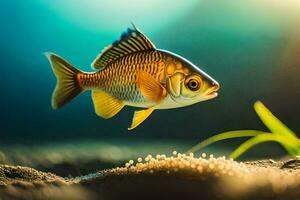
{"type": "Point", "coordinates": [197, 87]}
{"type": "Point", "coordinates": [188, 84]}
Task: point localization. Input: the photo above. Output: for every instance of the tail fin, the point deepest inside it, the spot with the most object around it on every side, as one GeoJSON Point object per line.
{"type": "Point", "coordinates": [67, 85]}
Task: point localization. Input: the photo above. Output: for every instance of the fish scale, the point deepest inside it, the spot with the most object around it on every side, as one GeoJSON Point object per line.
{"type": "Point", "coordinates": [119, 78]}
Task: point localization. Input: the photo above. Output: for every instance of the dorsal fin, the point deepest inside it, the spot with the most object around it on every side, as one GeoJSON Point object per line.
{"type": "Point", "coordinates": [132, 40]}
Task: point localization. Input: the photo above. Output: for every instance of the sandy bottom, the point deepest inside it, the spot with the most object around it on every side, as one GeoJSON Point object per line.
{"type": "Point", "coordinates": [161, 177]}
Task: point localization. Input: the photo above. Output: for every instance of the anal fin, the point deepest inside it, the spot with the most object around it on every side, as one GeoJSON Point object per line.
{"type": "Point", "coordinates": [139, 117]}
{"type": "Point", "coordinates": [105, 105]}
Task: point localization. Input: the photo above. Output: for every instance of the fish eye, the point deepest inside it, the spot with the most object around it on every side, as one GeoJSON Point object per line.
{"type": "Point", "coordinates": [193, 84]}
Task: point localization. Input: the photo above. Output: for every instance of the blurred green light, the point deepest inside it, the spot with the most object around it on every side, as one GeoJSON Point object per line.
{"type": "Point", "coordinates": [109, 16]}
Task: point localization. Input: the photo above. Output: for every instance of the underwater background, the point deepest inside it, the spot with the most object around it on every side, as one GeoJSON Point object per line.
{"type": "Point", "coordinates": [251, 47]}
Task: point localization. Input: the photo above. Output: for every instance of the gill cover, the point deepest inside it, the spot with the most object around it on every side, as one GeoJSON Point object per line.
{"type": "Point", "coordinates": [174, 84]}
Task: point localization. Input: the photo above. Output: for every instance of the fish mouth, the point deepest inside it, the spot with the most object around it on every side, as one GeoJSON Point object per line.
{"type": "Point", "coordinates": [212, 94]}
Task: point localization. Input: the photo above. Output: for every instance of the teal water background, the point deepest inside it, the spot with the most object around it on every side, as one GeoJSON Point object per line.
{"type": "Point", "coordinates": [251, 47]}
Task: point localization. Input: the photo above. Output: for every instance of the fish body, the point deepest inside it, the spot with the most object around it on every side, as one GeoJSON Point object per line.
{"type": "Point", "coordinates": [133, 72]}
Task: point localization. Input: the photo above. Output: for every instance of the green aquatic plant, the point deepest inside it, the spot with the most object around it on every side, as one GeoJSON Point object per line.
{"type": "Point", "coordinates": [279, 132]}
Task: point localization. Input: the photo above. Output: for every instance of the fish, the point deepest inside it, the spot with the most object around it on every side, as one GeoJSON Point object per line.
{"type": "Point", "coordinates": [133, 72]}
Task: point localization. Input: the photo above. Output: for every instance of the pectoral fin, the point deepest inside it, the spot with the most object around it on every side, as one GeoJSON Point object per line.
{"type": "Point", "coordinates": [150, 88]}
{"type": "Point", "coordinates": [139, 117]}
{"type": "Point", "coordinates": [105, 105]}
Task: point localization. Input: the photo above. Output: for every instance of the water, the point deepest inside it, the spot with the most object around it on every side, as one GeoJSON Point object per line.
{"type": "Point", "coordinates": [251, 47]}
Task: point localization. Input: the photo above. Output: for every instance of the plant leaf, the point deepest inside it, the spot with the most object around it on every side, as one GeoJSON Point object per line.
{"type": "Point", "coordinates": [280, 133]}
{"type": "Point", "coordinates": [263, 138]}
{"type": "Point", "coordinates": [224, 136]}
{"type": "Point", "coordinates": [292, 147]}
{"type": "Point", "coordinates": [272, 122]}
{"type": "Point", "coordinates": [253, 141]}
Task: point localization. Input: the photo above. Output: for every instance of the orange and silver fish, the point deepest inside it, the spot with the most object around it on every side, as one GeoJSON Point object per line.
{"type": "Point", "coordinates": [133, 72]}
